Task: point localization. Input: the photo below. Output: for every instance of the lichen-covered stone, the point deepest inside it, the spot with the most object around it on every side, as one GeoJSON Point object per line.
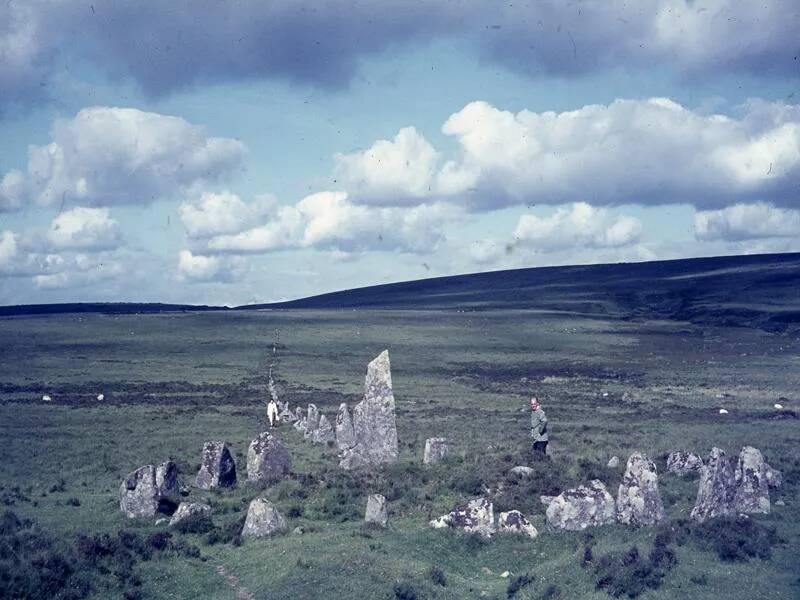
{"type": "Point", "coordinates": [263, 520]}
{"type": "Point", "coordinates": [312, 422]}
{"type": "Point", "coordinates": [345, 435]}
{"type": "Point", "coordinates": [149, 490]}
{"type": "Point", "coordinates": [514, 521]}
{"type": "Point", "coordinates": [268, 459]}
{"type": "Point", "coordinates": [476, 516]}
{"type": "Point", "coordinates": [324, 432]}
{"type": "Point", "coordinates": [190, 510]}
{"type": "Point", "coordinates": [436, 449]}
{"type": "Point", "coordinates": [638, 499]}
{"type": "Point", "coordinates": [217, 467]}
{"type": "Point", "coordinates": [522, 471]}
{"type": "Point", "coordinates": [374, 424]}
{"type": "Point", "coordinates": [683, 463]}
{"type": "Point", "coordinates": [752, 487]}
{"type": "Point", "coordinates": [587, 505]}
{"type": "Point", "coordinates": [716, 489]}
{"type": "Point", "coordinates": [286, 415]}
{"type": "Point", "coordinates": [613, 462]}
{"type": "Point", "coordinates": [376, 510]}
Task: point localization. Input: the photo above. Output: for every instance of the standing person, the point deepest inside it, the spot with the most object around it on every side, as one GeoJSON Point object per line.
{"type": "Point", "coordinates": [272, 412]}
{"type": "Point", "coordinates": [538, 430]}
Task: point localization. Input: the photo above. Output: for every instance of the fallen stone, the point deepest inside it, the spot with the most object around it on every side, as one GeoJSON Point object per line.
{"type": "Point", "coordinates": [376, 510]}
{"type": "Point", "coordinates": [298, 531]}
{"type": "Point", "coordinates": [436, 450]}
{"type": "Point", "coordinates": [300, 425]}
{"type": "Point", "coordinates": [780, 502]}
{"type": "Point", "coordinates": [752, 488]}
{"type": "Point", "coordinates": [374, 424]}
{"type": "Point", "coordinates": [514, 521]}
{"type": "Point", "coordinates": [522, 471]}
{"type": "Point", "coordinates": [683, 463]}
{"type": "Point", "coordinates": [587, 505]}
{"type": "Point", "coordinates": [324, 432]}
{"type": "Point", "coordinates": [268, 459]}
{"type": "Point", "coordinates": [476, 516]}
{"type": "Point", "coordinates": [149, 490]}
{"type": "Point", "coordinates": [312, 422]}
{"type": "Point", "coordinates": [613, 462]}
{"type": "Point", "coordinates": [263, 520]}
{"type": "Point", "coordinates": [345, 435]}
{"type": "Point", "coordinates": [716, 489]}
{"type": "Point", "coordinates": [190, 510]}
{"type": "Point", "coordinates": [638, 500]}
{"type": "Point", "coordinates": [217, 468]}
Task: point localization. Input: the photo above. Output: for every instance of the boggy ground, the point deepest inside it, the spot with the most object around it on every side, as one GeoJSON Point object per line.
{"type": "Point", "coordinates": [173, 381]}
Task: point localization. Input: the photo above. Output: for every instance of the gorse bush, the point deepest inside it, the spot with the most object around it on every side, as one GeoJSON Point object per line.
{"type": "Point", "coordinates": [735, 538]}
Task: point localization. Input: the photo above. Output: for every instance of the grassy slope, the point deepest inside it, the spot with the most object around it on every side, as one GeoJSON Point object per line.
{"type": "Point", "coordinates": [174, 381]}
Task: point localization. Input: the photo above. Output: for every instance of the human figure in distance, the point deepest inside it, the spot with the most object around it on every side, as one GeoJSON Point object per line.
{"type": "Point", "coordinates": [272, 412]}
{"type": "Point", "coordinates": [538, 430]}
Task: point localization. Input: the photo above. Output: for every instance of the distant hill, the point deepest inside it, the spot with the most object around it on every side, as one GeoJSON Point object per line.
{"type": "Point", "coordinates": [755, 290]}
{"type": "Point", "coordinates": [761, 291]}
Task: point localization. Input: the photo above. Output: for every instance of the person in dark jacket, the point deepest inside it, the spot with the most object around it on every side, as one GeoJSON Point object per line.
{"type": "Point", "coordinates": [538, 430]}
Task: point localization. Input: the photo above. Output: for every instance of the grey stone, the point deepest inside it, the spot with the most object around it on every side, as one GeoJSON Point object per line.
{"type": "Point", "coordinates": [312, 422]}
{"type": "Point", "coordinates": [190, 510]}
{"type": "Point", "coordinates": [286, 415]}
{"type": "Point", "coordinates": [514, 521]}
{"type": "Point", "coordinates": [217, 468]}
{"type": "Point", "coordinates": [522, 471]}
{"type": "Point", "coordinates": [476, 516]}
{"type": "Point", "coordinates": [774, 476]}
{"type": "Point", "coordinates": [683, 463]}
{"type": "Point", "coordinates": [374, 424]}
{"type": "Point", "coordinates": [263, 520]}
{"type": "Point", "coordinates": [716, 489]}
{"type": "Point", "coordinates": [345, 436]}
{"type": "Point", "coordinates": [300, 425]}
{"type": "Point", "coordinates": [638, 499]}
{"type": "Point", "coordinates": [587, 505]}
{"type": "Point", "coordinates": [436, 449]}
{"type": "Point", "coordinates": [546, 500]}
{"type": "Point", "coordinates": [613, 462]}
{"type": "Point", "coordinates": [268, 459]}
{"type": "Point", "coordinates": [149, 490]}
{"type": "Point", "coordinates": [752, 487]}
{"type": "Point", "coordinates": [376, 510]}
{"type": "Point", "coordinates": [324, 432]}
{"type": "Point", "coordinates": [298, 414]}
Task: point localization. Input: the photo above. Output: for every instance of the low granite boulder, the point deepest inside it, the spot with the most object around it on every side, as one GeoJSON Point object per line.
{"type": "Point", "coordinates": [150, 490]}
{"type": "Point", "coordinates": [683, 463]}
{"type": "Point", "coordinates": [190, 511]}
{"type": "Point", "coordinates": [263, 520]}
{"type": "Point", "coordinates": [268, 460]}
{"type": "Point", "coordinates": [587, 505]}
{"type": "Point", "coordinates": [476, 516]}
{"type": "Point", "coordinates": [376, 510]}
{"type": "Point", "coordinates": [436, 450]}
{"type": "Point", "coordinates": [514, 521]}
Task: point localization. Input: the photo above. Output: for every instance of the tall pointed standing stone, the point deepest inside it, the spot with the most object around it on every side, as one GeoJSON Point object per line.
{"type": "Point", "coordinates": [752, 487]}
{"type": "Point", "coordinates": [374, 424]}
{"type": "Point", "coordinates": [217, 467]}
{"type": "Point", "coordinates": [345, 436]}
{"type": "Point", "coordinates": [717, 487]}
{"type": "Point", "coordinates": [312, 421]}
{"type": "Point", "coordinates": [324, 432]}
{"type": "Point", "coordinates": [638, 500]}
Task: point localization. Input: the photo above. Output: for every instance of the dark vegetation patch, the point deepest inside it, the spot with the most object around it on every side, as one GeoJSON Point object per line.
{"type": "Point", "coordinates": [517, 583]}
{"type": "Point", "coordinates": [733, 539]}
{"type": "Point", "coordinates": [437, 576]}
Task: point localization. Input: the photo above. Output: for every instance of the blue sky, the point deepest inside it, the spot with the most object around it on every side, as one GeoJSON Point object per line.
{"type": "Point", "coordinates": [231, 153]}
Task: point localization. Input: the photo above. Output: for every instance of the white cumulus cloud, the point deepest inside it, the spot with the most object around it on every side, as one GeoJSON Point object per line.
{"type": "Point", "coordinates": [222, 213]}
{"type": "Point", "coordinates": [747, 222]}
{"type": "Point", "coordinates": [84, 228]}
{"type": "Point", "coordinates": [199, 268]}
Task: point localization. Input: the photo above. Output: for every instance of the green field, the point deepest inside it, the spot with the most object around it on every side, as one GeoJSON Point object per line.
{"type": "Point", "coordinates": [172, 381]}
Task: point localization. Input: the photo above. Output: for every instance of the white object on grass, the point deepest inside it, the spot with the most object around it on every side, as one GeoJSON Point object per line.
{"type": "Point", "coordinates": [722, 411]}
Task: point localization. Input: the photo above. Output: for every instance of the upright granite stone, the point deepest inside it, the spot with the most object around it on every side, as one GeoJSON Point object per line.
{"type": "Point", "coordinates": [374, 419]}
{"type": "Point", "coordinates": [638, 500]}
{"type": "Point", "coordinates": [752, 487]}
{"type": "Point", "coordinates": [376, 510]}
{"type": "Point", "coordinates": [312, 422]}
{"type": "Point", "coordinates": [286, 415]}
{"type": "Point", "coordinates": [345, 436]}
{"type": "Point", "coordinates": [298, 414]}
{"type": "Point", "coordinates": [324, 432]}
{"type": "Point", "coordinates": [263, 520]}
{"type": "Point", "coordinates": [514, 521]}
{"type": "Point", "coordinates": [683, 463]}
{"type": "Point", "coordinates": [717, 488]}
{"type": "Point", "coordinates": [587, 505]}
{"type": "Point", "coordinates": [217, 468]}
{"type": "Point", "coordinates": [268, 460]}
{"type": "Point", "coordinates": [436, 449]}
{"type": "Point", "coordinates": [189, 511]}
{"type": "Point", "coordinates": [149, 490]}
{"type": "Point", "coordinates": [476, 516]}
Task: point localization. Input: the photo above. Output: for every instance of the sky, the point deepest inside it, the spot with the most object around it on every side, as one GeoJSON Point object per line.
{"type": "Point", "coordinates": [211, 152]}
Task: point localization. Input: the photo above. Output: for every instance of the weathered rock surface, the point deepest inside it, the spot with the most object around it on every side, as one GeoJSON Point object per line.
{"type": "Point", "coordinates": [324, 432]}
{"type": "Point", "coordinates": [683, 463]}
{"type": "Point", "coordinates": [774, 476]}
{"type": "Point", "coordinates": [298, 414]}
{"type": "Point", "coordinates": [190, 510]}
{"type": "Point", "coordinates": [638, 500]}
{"type": "Point", "coordinates": [217, 468]}
{"type": "Point", "coordinates": [613, 462]}
{"type": "Point", "coordinates": [376, 510]}
{"type": "Point", "coordinates": [476, 516]}
{"type": "Point", "coordinates": [585, 506]}
{"type": "Point", "coordinates": [286, 415]}
{"type": "Point", "coordinates": [312, 422]}
{"type": "Point", "coordinates": [514, 521]}
{"type": "Point", "coordinates": [752, 487]}
{"type": "Point", "coordinates": [149, 490]}
{"type": "Point", "coordinates": [716, 489]}
{"type": "Point", "coordinates": [263, 520]}
{"type": "Point", "coordinates": [522, 471]}
{"type": "Point", "coordinates": [546, 500]}
{"type": "Point", "coordinates": [300, 425]}
{"type": "Point", "coordinates": [345, 436]}
{"type": "Point", "coordinates": [436, 449]}
{"type": "Point", "coordinates": [267, 459]}
{"type": "Point", "coordinates": [374, 424]}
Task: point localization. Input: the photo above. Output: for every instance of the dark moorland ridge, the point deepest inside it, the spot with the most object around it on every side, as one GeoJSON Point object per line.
{"type": "Point", "coordinates": [761, 291]}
